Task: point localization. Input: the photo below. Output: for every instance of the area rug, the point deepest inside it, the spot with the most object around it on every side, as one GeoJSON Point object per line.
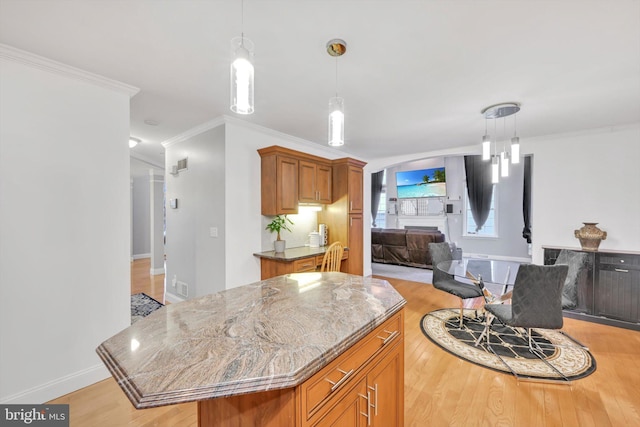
{"type": "Point", "coordinates": [143, 305]}
{"type": "Point", "coordinates": [573, 360]}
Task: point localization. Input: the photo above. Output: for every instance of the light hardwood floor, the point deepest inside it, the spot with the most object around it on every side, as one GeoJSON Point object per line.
{"type": "Point", "coordinates": [440, 389]}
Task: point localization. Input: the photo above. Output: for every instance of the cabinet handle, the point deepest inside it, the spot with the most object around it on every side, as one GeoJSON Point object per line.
{"type": "Point", "coordinates": [368, 399]}
{"type": "Point", "coordinates": [335, 385]}
{"type": "Point", "coordinates": [375, 399]}
{"type": "Point", "coordinates": [390, 337]}
{"type": "Point", "coordinates": [619, 270]}
{"type": "Point", "coordinates": [351, 205]}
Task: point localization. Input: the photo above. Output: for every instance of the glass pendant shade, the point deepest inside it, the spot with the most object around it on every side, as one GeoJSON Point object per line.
{"type": "Point", "coordinates": [486, 148]}
{"type": "Point", "coordinates": [504, 164]}
{"type": "Point", "coordinates": [241, 76]}
{"type": "Point", "coordinates": [336, 122]}
{"type": "Point", "coordinates": [515, 150]}
{"type": "Point", "coordinates": [495, 170]}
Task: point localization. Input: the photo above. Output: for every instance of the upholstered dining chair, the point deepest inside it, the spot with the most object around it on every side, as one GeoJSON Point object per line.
{"type": "Point", "coordinates": [332, 257]}
{"type": "Point", "coordinates": [536, 302]}
{"type": "Point", "coordinates": [445, 282]}
{"type": "Point", "coordinates": [578, 264]}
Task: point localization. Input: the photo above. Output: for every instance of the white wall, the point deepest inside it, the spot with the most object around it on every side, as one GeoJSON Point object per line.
{"type": "Point", "coordinates": [64, 225]}
{"type": "Point", "coordinates": [141, 239]}
{"type": "Point", "coordinates": [193, 256]}
{"type": "Point", "coordinates": [592, 176]}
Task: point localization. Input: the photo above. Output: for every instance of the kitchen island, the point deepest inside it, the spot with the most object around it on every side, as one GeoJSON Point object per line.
{"type": "Point", "coordinates": [295, 350]}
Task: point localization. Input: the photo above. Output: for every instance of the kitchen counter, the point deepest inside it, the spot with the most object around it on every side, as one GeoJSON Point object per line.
{"type": "Point", "coordinates": [267, 335]}
{"type": "Point", "coordinates": [292, 254]}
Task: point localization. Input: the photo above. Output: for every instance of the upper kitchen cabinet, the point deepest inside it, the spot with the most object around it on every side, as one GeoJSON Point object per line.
{"type": "Point", "coordinates": [348, 183]}
{"type": "Point", "coordinates": [314, 182]}
{"type": "Point", "coordinates": [279, 187]}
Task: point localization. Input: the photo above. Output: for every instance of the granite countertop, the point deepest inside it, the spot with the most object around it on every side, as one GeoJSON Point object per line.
{"type": "Point", "coordinates": [271, 334]}
{"type": "Point", "coordinates": [292, 254]}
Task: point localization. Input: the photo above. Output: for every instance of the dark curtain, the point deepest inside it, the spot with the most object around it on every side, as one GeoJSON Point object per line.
{"type": "Point", "coordinates": [479, 188]}
{"type": "Point", "coordinates": [376, 189]}
{"type": "Point", "coordinates": [526, 199]}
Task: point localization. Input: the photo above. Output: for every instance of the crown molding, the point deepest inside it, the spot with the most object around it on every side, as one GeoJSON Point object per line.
{"type": "Point", "coordinates": [224, 119]}
{"type": "Point", "coordinates": [219, 121]}
{"type": "Point", "coordinates": [10, 53]}
{"type": "Point", "coordinates": [149, 161]}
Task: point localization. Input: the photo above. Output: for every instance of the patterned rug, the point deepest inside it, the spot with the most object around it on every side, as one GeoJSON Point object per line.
{"type": "Point", "coordinates": [574, 361]}
{"type": "Point", "coordinates": [143, 305]}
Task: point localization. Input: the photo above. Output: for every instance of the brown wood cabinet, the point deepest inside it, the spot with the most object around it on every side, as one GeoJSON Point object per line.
{"type": "Point", "coordinates": [279, 183]}
{"type": "Point", "coordinates": [345, 217]}
{"type": "Point", "coordinates": [314, 182]}
{"type": "Point", "coordinates": [271, 268]}
{"type": "Point", "coordinates": [364, 386]}
{"type": "Point", "coordinates": [290, 176]}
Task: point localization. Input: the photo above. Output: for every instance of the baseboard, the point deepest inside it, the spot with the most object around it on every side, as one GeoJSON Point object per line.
{"type": "Point", "coordinates": [174, 299]}
{"type": "Point", "coordinates": [58, 387]}
{"type": "Point", "coordinates": [140, 256]}
{"type": "Point", "coordinates": [156, 271]}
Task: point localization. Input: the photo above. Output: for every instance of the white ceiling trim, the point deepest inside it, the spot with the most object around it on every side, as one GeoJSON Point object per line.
{"type": "Point", "coordinates": [10, 53]}
{"type": "Point", "coordinates": [219, 121]}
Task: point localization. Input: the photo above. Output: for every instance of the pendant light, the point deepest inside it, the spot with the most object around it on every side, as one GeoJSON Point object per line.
{"type": "Point", "coordinates": [336, 48]}
{"type": "Point", "coordinates": [241, 73]}
{"type": "Point", "coordinates": [500, 161]}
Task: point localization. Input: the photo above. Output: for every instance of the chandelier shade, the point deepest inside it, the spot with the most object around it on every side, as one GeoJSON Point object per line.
{"type": "Point", "coordinates": [336, 122]}
{"type": "Point", "coordinates": [241, 76]}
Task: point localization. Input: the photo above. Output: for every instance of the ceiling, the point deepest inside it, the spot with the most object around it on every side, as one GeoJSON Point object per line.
{"type": "Point", "coordinates": [415, 76]}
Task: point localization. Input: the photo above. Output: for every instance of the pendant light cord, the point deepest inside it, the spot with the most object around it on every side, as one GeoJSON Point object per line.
{"type": "Point", "coordinates": [336, 76]}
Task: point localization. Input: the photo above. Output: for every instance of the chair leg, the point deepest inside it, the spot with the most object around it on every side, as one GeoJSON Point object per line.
{"type": "Point", "coordinates": [461, 313]}
{"type": "Point", "coordinates": [535, 348]}
{"type": "Point", "coordinates": [488, 321]}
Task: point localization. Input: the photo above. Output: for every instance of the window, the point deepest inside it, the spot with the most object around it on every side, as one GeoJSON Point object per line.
{"type": "Point", "coordinates": [490, 227]}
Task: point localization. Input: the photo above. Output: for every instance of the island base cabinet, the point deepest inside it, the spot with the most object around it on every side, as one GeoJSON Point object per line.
{"type": "Point", "coordinates": [274, 408]}
{"type": "Point", "coordinates": [364, 386]}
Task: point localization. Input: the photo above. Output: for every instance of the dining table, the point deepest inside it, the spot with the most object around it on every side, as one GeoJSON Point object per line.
{"type": "Point", "coordinates": [483, 271]}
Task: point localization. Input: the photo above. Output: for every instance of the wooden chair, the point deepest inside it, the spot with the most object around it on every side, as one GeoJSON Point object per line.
{"type": "Point", "coordinates": [332, 257]}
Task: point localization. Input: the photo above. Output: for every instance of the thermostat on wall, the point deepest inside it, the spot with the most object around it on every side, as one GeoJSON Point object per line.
{"type": "Point", "coordinates": [173, 203]}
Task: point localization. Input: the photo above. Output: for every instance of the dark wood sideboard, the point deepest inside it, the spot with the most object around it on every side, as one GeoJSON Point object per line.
{"type": "Point", "coordinates": [609, 292]}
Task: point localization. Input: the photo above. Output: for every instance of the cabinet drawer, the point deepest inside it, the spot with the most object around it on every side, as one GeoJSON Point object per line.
{"type": "Point", "coordinates": [623, 260]}
{"type": "Point", "coordinates": [305, 264]}
{"type": "Point", "coordinates": [334, 377]}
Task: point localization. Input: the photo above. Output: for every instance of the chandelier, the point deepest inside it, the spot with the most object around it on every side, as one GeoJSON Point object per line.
{"type": "Point", "coordinates": [491, 144]}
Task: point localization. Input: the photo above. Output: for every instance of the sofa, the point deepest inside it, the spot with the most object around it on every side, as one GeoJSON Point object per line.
{"type": "Point", "coordinates": [403, 247]}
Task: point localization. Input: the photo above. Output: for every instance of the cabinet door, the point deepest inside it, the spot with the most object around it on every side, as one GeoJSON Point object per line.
{"type": "Point", "coordinates": [618, 293]}
{"type": "Point", "coordinates": [355, 189]}
{"type": "Point", "coordinates": [354, 262]}
{"type": "Point", "coordinates": [307, 191]}
{"type": "Point", "coordinates": [385, 383]}
{"type": "Point", "coordinates": [323, 183]}
{"type": "Point", "coordinates": [350, 411]}
{"type": "Point", "coordinates": [287, 185]}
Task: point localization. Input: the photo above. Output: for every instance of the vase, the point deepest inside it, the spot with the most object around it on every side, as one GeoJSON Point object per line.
{"type": "Point", "coordinates": [279, 245]}
{"type": "Point", "coordinates": [590, 236]}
